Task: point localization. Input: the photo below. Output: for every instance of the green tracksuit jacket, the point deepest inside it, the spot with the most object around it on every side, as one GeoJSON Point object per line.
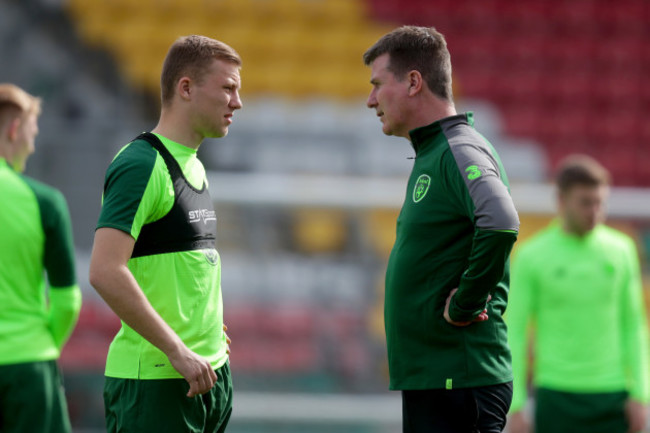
{"type": "Point", "coordinates": [455, 230]}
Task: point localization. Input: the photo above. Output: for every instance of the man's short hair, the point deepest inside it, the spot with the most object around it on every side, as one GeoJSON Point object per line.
{"type": "Point", "coordinates": [16, 100]}
{"type": "Point", "coordinates": [580, 170]}
{"type": "Point", "coordinates": [191, 56]}
{"type": "Point", "coordinates": [423, 49]}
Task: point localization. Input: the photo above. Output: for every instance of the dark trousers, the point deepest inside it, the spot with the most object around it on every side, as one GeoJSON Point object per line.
{"type": "Point", "coordinates": [32, 399]}
{"type": "Point", "coordinates": [567, 412]}
{"type": "Point", "coordinates": [161, 405]}
{"type": "Point", "coordinates": [462, 410]}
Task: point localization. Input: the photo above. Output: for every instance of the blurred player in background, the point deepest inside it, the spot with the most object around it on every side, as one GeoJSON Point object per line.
{"type": "Point", "coordinates": [447, 276]}
{"type": "Point", "coordinates": [35, 240]}
{"type": "Point", "coordinates": [154, 259]}
{"type": "Point", "coordinates": [576, 295]}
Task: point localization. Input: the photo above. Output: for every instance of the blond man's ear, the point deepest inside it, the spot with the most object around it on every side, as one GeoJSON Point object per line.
{"type": "Point", "coordinates": [12, 129]}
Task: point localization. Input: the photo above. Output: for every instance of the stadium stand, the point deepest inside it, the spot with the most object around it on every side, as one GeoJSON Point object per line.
{"type": "Point", "coordinates": [568, 74]}
{"type": "Point", "coordinates": [562, 73]}
{"type": "Point", "coordinates": [294, 48]}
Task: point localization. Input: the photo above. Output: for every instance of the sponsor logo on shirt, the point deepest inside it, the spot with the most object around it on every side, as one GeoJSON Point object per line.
{"type": "Point", "coordinates": [204, 215]}
{"type": "Point", "coordinates": [421, 187]}
{"type": "Point", "coordinates": [473, 172]}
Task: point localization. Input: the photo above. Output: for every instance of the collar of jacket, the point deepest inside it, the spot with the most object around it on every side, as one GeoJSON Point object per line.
{"type": "Point", "coordinates": [422, 136]}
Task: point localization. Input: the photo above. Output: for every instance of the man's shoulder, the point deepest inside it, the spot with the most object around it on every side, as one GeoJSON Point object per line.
{"type": "Point", "coordinates": [137, 153]}
{"type": "Point", "coordinates": [135, 160]}
{"type": "Point", "coordinates": [52, 204]}
{"type": "Point", "coordinates": [471, 152]}
{"type": "Point", "coordinates": [543, 240]}
{"type": "Point", "coordinates": [35, 183]}
{"type": "Point", "coordinates": [43, 191]}
{"type": "Point", "coordinates": [614, 237]}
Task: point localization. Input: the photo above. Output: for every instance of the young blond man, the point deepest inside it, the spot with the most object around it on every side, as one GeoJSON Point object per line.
{"type": "Point", "coordinates": [154, 259]}
{"type": "Point", "coordinates": [35, 240]}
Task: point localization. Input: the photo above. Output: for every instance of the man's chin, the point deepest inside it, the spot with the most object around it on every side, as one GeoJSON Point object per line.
{"type": "Point", "coordinates": [218, 134]}
{"type": "Point", "coordinates": [586, 229]}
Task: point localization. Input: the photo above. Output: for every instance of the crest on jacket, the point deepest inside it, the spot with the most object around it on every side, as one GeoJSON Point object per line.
{"type": "Point", "coordinates": [421, 187]}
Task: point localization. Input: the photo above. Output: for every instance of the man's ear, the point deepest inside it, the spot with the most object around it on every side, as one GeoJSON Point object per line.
{"type": "Point", "coordinates": [12, 129]}
{"type": "Point", "coordinates": [415, 82]}
{"type": "Point", "coordinates": [184, 88]}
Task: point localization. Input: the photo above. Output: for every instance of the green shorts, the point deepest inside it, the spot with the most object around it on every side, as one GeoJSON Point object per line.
{"type": "Point", "coordinates": [32, 399]}
{"type": "Point", "coordinates": [568, 412]}
{"type": "Point", "coordinates": [161, 405]}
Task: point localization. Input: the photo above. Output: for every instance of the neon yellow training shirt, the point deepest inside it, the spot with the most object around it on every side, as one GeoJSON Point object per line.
{"type": "Point", "coordinates": [183, 287]}
{"type": "Point", "coordinates": [582, 300]}
{"type": "Point", "coordinates": [35, 241]}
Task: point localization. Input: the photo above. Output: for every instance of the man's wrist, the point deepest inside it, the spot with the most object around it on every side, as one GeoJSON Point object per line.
{"type": "Point", "coordinates": [458, 313]}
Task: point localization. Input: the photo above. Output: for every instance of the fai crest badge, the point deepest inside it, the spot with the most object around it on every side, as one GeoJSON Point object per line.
{"type": "Point", "coordinates": [421, 187]}
{"type": "Point", "coordinates": [211, 256]}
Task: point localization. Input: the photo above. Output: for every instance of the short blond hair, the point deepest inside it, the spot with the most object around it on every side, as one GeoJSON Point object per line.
{"type": "Point", "coordinates": [13, 98]}
{"type": "Point", "coordinates": [192, 56]}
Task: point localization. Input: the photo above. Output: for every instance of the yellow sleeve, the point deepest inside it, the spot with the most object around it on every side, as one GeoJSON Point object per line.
{"type": "Point", "coordinates": [65, 305]}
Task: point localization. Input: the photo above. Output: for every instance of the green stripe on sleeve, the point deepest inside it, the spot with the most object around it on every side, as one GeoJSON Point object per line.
{"type": "Point", "coordinates": [126, 180]}
{"type": "Point", "coordinates": [58, 253]}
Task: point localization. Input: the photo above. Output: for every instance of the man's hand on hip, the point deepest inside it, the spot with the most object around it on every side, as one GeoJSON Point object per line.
{"type": "Point", "coordinates": [482, 317]}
